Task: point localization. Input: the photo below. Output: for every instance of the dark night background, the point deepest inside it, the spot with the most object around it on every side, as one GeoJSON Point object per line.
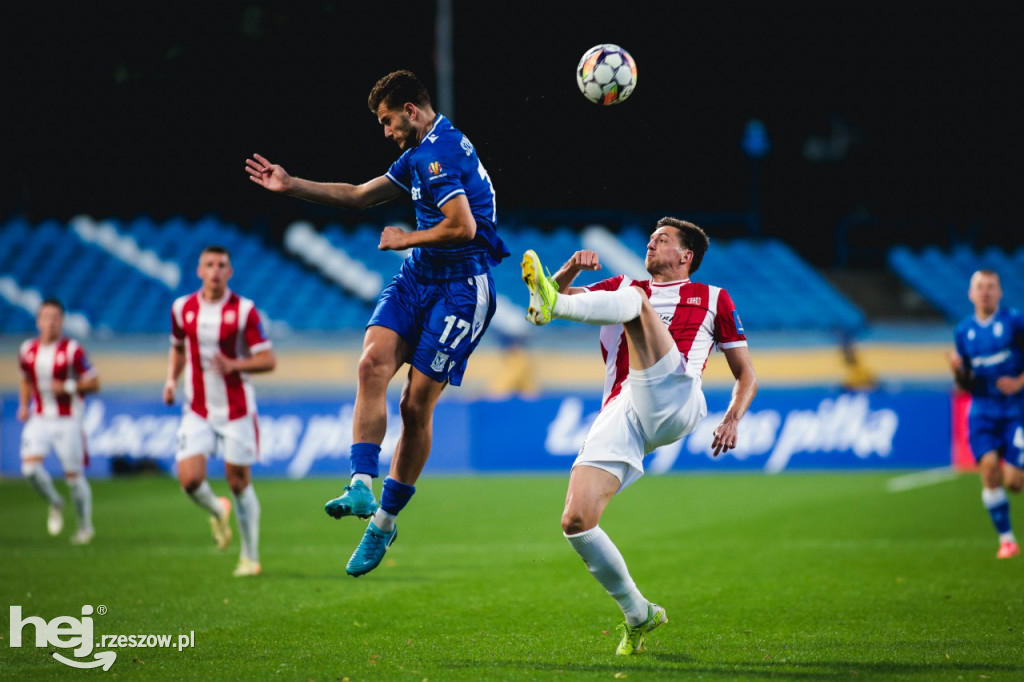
{"type": "Point", "coordinates": [901, 119]}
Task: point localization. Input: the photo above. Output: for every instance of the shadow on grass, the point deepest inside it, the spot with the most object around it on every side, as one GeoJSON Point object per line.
{"type": "Point", "coordinates": [340, 575]}
{"type": "Point", "coordinates": [675, 664]}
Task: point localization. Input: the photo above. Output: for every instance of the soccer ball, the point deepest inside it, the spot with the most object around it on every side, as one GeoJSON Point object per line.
{"type": "Point", "coordinates": [606, 74]}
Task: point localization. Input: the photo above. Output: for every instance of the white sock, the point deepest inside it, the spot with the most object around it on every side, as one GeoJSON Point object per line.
{"type": "Point", "coordinates": [606, 564]}
{"type": "Point", "coordinates": [385, 521]}
{"type": "Point", "coordinates": [42, 482]}
{"type": "Point", "coordinates": [204, 497]}
{"type": "Point", "coordinates": [993, 497]}
{"type": "Point", "coordinates": [365, 478]}
{"type": "Point", "coordinates": [81, 495]}
{"type": "Point", "coordinates": [600, 307]}
{"type": "Point", "coordinates": [247, 509]}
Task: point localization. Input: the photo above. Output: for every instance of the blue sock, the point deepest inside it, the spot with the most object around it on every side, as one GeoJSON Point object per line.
{"type": "Point", "coordinates": [363, 459]}
{"type": "Point", "coordinates": [395, 496]}
{"type": "Point", "coordinates": [998, 507]}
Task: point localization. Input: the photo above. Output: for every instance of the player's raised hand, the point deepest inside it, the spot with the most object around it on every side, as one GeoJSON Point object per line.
{"type": "Point", "coordinates": [585, 260]}
{"type": "Point", "coordinates": [268, 175]}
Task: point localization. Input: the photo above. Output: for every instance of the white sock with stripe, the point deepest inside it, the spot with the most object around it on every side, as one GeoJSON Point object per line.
{"type": "Point", "coordinates": [247, 509]}
{"type": "Point", "coordinates": [204, 497]}
{"type": "Point", "coordinates": [600, 307]}
{"type": "Point", "coordinates": [81, 495]}
{"type": "Point", "coordinates": [605, 563]}
{"type": "Point", "coordinates": [42, 482]}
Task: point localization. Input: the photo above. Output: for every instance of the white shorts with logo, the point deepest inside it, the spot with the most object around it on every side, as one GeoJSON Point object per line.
{"type": "Point", "coordinates": [238, 438]}
{"type": "Point", "coordinates": [63, 435]}
{"type": "Point", "coordinates": [657, 406]}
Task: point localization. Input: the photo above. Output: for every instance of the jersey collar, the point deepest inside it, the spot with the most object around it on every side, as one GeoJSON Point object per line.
{"type": "Point", "coordinates": [991, 318]}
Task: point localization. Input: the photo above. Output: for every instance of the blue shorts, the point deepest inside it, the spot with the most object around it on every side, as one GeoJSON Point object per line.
{"type": "Point", "coordinates": [443, 321]}
{"type": "Point", "coordinates": [1002, 434]}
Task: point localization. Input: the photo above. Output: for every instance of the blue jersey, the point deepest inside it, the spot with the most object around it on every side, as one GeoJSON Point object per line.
{"type": "Point", "coordinates": [441, 167]}
{"type": "Point", "coordinates": [992, 349]}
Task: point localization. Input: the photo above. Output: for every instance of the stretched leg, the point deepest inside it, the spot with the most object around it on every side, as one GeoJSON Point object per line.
{"type": "Point", "coordinates": [384, 352]}
{"type": "Point", "coordinates": [81, 495]}
{"type": "Point", "coordinates": [993, 496]}
{"type": "Point", "coordinates": [590, 490]}
{"type": "Point", "coordinates": [419, 397]}
{"type": "Point", "coordinates": [192, 476]}
{"type": "Point", "coordinates": [248, 514]}
{"type": "Point", "coordinates": [647, 338]}
{"type": "Point", "coordinates": [33, 470]}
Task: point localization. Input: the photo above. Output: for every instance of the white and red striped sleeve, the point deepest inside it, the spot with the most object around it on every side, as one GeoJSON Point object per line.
{"type": "Point", "coordinates": [729, 331]}
{"type": "Point", "coordinates": [610, 284]}
{"type": "Point", "coordinates": [80, 363]}
{"type": "Point", "coordinates": [177, 321]}
{"type": "Point", "coordinates": [24, 353]}
{"type": "Point", "coordinates": [255, 337]}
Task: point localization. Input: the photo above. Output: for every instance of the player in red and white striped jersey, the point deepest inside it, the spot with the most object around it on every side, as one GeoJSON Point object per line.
{"type": "Point", "coordinates": [217, 340]}
{"type": "Point", "coordinates": [55, 374]}
{"type": "Point", "coordinates": [656, 336]}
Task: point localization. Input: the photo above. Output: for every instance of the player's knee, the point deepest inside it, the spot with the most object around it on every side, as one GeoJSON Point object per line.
{"type": "Point", "coordinates": [637, 302]}
{"type": "Point", "coordinates": [574, 522]}
{"type": "Point", "coordinates": [190, 483]}
{"type": "Point", "coordinates": [372, 368]}
{"type": "Point", "coordinates": [30, 467]}
{"type": "Point", "coordinates": [1015, 483]}
{"type": "Point", "coordinates": [238, 482]}
{"type": "Point", "coordinates": [414, 412]}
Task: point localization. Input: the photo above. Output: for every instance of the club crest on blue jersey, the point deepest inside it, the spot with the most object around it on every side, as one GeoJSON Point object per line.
{"type": "Point", "coordinates": [434, 167]}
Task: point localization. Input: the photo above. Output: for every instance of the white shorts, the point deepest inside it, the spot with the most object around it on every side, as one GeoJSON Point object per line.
{"type": "Point", "coordinates": [239, 438]}
{"type": "Point", "coordinates": [63, 435]}
{"type": "Point", "coordinates": [657, 406]}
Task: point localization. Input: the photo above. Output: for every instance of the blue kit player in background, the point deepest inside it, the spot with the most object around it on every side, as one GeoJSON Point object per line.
{"type": "Point", "coordinates": [989, 363]}
{"type": "Point", "coordinates": [432, 314]}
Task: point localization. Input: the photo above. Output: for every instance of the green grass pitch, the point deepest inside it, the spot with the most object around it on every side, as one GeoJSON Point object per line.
{"type": "Point", "coordinates": [793, 577]}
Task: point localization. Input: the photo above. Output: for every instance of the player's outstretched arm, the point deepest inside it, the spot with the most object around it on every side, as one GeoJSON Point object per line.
{"type": "Point", "coordinates": [743, 392]}
{"type": "Point", "coordinates": [275, 178]}
{"type": "Point", "coordinates": [567, 274]}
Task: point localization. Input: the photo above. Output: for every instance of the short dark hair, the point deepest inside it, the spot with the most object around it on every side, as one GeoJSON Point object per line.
{"type": "Point", "coordinates": [987, 272]}
{"type": "Point", "coordinates": [216, 248]}
{"type": "Point", "coordinates": [54, 301]}
{"type": "Point", "coordinates": [397, 88]}
{"type": "Point", "coordinates": [691, 237]}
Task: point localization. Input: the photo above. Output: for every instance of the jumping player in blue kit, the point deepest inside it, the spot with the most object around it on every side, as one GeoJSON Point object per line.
{"type": "Point", "coordinates": [435, 310]}
{"type": "Point", "coordinates": [989, 363]}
